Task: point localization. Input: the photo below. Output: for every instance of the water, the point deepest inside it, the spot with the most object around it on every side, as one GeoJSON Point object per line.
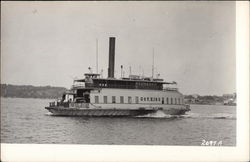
{"type": "Point", "coordinates": [26, 121]}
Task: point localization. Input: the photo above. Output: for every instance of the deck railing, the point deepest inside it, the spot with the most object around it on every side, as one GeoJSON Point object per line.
{"type": "Point", "coordinates": [69, 104]}
{"type": "Point", "coordinates": [78, 105]}
{"type": "Point", "coordinates": [170, 89]}
{"type": "Point", "coordinates": [55, 103]}
{"type": "Point", "coordinates": [51, 104]}
{"type": "Point", "coordinates": [78, 86]}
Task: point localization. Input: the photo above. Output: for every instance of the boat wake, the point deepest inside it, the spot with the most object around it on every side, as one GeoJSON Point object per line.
{"type": "Point", "coordinates": [210, 116]}
{"type": "Point", "coordinates": [49, 114]}
{"type": "Point", "coordinates": [161, 114]}
{"type": "Point", "coordinates": [158, 114]}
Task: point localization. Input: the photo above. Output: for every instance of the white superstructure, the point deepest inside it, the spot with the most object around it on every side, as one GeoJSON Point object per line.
{"type": "Point", "coordinates": [135, 95]}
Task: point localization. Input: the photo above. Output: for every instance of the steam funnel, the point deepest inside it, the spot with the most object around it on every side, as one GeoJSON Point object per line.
{"type": "Point", "coordinates": [111, 67]}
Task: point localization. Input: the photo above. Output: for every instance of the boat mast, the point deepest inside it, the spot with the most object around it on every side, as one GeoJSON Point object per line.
{"type": "Point", "coordinates": [96, 55]}
{"type": "Point", "coordinates": [130, 70]}
{"type": "Point", "coordinates": [153, 64]}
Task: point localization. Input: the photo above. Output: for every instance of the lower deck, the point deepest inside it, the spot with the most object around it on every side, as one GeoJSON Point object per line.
{"type": "Point", "coordinates": [119, 102]}
{"type": "Point", "coordinates": [125, 96]}
{"type": "Point", "coordinates": [62, 111]}
{"type": "Point", "coordinates": [121, 106]}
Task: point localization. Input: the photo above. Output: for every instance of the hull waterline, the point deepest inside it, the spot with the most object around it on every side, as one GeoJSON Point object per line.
{"type": "Point", "coordinates": [60, 111]}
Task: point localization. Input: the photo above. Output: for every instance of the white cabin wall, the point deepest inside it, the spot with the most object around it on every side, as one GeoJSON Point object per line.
{"type": "Point", "coordinates": [133, 93]}
{"type": "Point", "coordinates": [68, 97]}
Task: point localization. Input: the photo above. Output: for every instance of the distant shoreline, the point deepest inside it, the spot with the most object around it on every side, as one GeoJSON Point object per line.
{"type": "Point", "coordinates": [50, 92]}
{"type": "Point", "coordinates": [211, 104]}
{"type": "Point", "coordinates": [28, 98]}
{"type": "Point", "coordinates": [55, 98]}
{"type": "Point", "coordinates": [29, 91]}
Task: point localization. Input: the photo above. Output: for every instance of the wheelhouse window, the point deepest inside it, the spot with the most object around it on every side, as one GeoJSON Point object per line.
{"type": "Point", "coordinates": [105, 99]}
{"type": "Point", "coordinates": [129, 99]}
{"type": "Point", "coordinates": [96, 99]}
{"type": "Point", "coordinates": [121, 99]}
{"type": "Point", "coordinates": [113, 99]}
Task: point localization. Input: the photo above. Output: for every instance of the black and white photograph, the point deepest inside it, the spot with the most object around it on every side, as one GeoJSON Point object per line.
{"type": "Point", "coordinates": [152, 73]}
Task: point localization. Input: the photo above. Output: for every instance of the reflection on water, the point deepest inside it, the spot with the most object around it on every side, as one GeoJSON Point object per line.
{"type": "Point", "coordinates": [26, 121]}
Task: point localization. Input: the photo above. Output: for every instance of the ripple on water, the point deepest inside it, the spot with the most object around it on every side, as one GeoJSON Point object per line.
{"type": "Point", "coordinates": [27, 121]}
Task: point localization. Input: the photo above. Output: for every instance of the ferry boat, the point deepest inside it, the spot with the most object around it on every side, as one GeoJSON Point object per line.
{"type": "Point", "coordinates": [127, 96]}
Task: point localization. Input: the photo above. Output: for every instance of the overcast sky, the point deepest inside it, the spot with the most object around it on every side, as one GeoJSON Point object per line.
{"type": "Point", "coordinates": [50, 43]}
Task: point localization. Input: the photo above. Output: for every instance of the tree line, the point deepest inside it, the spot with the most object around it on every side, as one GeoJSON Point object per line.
{"type": "Point", "coordinates": [29, 91]}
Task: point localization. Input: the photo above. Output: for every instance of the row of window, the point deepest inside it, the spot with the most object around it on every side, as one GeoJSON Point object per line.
{"type": "Point", "coordinates": [168, 100]}
{"type": "Point", "coordinates": [163, 100]}
{"type": "Point", "coordinates": [130, 86]}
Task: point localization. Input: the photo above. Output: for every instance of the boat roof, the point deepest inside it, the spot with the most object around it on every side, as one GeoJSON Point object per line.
{"type": "Point", "coordinates": [92, 74]}
{"type": "Point", "coordinates": [68, 92]}
{"type": "Point", "coordinates": [127, 80]}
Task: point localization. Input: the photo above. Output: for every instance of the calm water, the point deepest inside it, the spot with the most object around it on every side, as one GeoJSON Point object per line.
{"type": "Point", "coordinates": [26, 121]}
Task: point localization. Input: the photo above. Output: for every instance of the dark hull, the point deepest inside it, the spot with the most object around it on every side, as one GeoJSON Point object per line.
{"type": "Point", "coordinates": [61, 111]}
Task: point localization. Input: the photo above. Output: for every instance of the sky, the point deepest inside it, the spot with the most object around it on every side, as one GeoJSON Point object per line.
{"type": "Point", "coordinates": [51, 43]}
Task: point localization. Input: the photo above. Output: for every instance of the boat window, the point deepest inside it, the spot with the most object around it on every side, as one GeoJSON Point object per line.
{"type": "Point", "coordinates": [171, 101]}
{"type": "Point", "coordinates": [162, 100]}
{"type": "Point", "coordinates": [151, 98]}
{"type": "Point", "coordinates": [167, 100]}
{"type": "Point", "coordinates": [144, 98]}
{"type": "Point", "coordinates": [179, 102]}
{"type": "Point", "coordinates": [121, 99]}
{"type": "Point", "coordinates": [105, 99]}
{"type": "Point", "coordinates": [147, 98]}
{"type": "Point", "coordinates": [159, 99]}
{"type": "Point", "coordinates": [141, 98]}
{"type": "Point", "coordinates": [96, 99]}
{"type": "Point", "coordinates": [175, 101]}
{"type": "Point", "coordinates": [113, 99]}
{"type": "Point", "coordinates": [137, 99]}
{"type": "Point", "coordinates": [129, 99]}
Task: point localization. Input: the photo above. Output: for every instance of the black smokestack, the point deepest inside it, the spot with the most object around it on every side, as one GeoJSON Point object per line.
{"type": "Point", "coordinates": [111, 67]}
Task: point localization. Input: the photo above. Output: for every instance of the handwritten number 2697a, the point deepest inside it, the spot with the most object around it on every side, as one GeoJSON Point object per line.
{"type": "Point", "coordinates": [211, 143]}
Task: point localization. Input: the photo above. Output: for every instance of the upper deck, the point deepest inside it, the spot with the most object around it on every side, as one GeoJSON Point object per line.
{"type": "Point", "coordinates": [94, 81]}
